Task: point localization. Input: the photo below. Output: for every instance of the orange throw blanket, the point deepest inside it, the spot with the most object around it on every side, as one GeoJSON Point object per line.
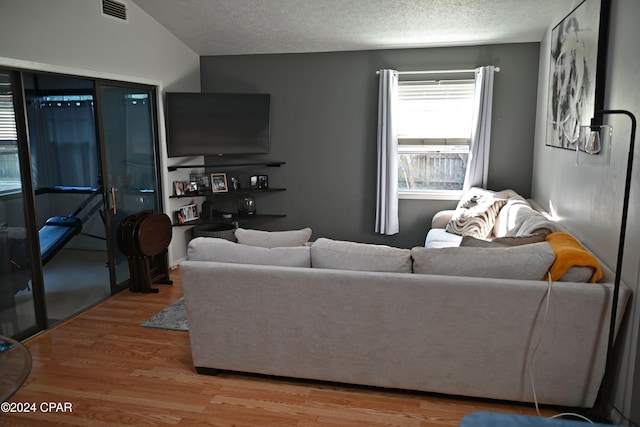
{"type": "Point", "coordinates": [570, 253]}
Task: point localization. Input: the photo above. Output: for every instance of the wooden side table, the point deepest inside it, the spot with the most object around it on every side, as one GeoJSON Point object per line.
{"type": "Point", "coordinates": [15, 365]}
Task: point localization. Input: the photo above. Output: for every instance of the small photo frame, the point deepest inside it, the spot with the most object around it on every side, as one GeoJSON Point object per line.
{"type": "Point", "coordinates": [253, 182]}
{"type": "Point", "coordinates": [187, 213]}
{"type": "Point", "coordinates": [263, 182]}
{"type": "Point", "coordinates": [178, 188]}
{"type": "Point", "coordinates": [191, 187]}
{"type": "Point", "coordinates": [235, 183]}
{"type": "Point", "coordinates": [203, 180]}
{"type": "Point", "coordinates": [219, 183]}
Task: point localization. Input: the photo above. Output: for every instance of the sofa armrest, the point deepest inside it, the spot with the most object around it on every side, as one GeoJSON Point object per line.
{"type": "Point", "coordinates": [440, 219]}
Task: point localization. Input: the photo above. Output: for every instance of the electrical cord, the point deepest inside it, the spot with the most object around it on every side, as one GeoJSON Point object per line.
{"type": "Point", "coordinates": [535, 351]}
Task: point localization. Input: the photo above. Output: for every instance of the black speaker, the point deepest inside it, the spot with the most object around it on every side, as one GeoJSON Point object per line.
{"type": "Point", "coordinates": [207, 211]}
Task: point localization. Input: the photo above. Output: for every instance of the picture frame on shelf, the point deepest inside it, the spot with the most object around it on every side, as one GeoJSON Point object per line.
{"type": "Point", "coordinates": [187, 213]}
{"type": "Point", "coordinates": [219, 183]}
{"type": "Point", "coordinates": [253, 182]}
{"type": "Point", "coordinates": [191, 187]}
{"type": "Point", "coordinates": [235, 183]}
{"type": "Point", "coordinates": [263, 182]}
{"type": "Point", "coordinates": [178, 188]}
{"type": "Point", "coordinates": [203, 180]}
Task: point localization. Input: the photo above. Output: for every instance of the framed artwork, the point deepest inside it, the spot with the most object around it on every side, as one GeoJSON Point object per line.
{"type": "Point", "coordinates": [576, 73]}
{"type": "Point", "coordinates": [219, 183]}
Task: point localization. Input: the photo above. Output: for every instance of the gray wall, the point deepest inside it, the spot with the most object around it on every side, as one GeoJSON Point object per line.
{"type": "Point", "coordinates": [324, 118]}
{"type": "Point", "coordinates": [588, 200]}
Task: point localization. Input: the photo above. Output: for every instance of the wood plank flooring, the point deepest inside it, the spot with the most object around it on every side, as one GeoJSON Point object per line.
{"type": "Point", "coordinates": [113, 372]}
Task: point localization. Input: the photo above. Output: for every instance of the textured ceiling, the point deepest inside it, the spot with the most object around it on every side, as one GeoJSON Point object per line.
{"type": "Point", "coordinates": [232, 27]}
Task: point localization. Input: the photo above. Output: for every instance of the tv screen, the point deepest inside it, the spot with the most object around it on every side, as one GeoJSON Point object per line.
{"type": "Point", "coordinates": [217, 124]}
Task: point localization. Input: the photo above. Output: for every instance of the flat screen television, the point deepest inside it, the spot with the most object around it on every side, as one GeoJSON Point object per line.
{"type": "Point", "coordinates": [217, 124]}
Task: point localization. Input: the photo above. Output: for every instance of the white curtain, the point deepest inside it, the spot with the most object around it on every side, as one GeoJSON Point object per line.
{"type": "Point", "coordinates": [387, 186]}
{"type": "Point", "coordinates": [478, 163]}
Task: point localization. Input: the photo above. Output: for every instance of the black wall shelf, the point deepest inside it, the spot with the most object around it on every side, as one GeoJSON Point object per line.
{"type": "Point", "coordinates": [234, 218]}
{"type": "Point", "coordinates": [273, 164]}
{"type": "Point", "coordinates": [228, 193]}
{"type": "Point", "coordinates": [231, 193]}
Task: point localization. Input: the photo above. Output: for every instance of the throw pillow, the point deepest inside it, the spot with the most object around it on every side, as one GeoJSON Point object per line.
{"type": "Point", "coordinates": [476, 216]}
{"type": "Point", "coordinates": [342, 255]}
{"type": "Point", "coordinates": [221, 250]}
{"type": "Point", "coordinates": [273, 239]}
{"type": "Point", "coordinates": [475, 193]}
{"type": "Point", "coordinates": [527, 262]}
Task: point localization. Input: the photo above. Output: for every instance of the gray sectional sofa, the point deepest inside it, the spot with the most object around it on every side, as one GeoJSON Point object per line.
{"type": "Point", "coordinates": [399, 318]}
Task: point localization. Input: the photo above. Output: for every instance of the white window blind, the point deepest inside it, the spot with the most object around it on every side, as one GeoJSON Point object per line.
{"type": "Point", "coordinates": [440, 109]}
{"type": "Point", "coordinates": [7, 119]}
{"type": "Point", "coordinates": [9, 164]}
{"type": "Point", "coordinates": [434, 131]}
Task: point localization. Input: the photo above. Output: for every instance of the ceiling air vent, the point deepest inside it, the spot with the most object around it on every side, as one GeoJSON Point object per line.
{"type": "Point", "coordinates": [114, 9]}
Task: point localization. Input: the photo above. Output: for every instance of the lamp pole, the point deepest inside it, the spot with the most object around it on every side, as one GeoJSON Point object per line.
{"type": "Point", "coordinates": [623, 232]}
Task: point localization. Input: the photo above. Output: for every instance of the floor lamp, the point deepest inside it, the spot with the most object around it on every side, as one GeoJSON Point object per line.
{"type": "Point", "coordinates": [593, 145]}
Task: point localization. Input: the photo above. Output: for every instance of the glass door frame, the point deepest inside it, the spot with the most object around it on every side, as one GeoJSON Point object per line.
{"type": "Point", "coordinates": [105, 184]}
{"type": "Point", "coordinates": [28, 195]}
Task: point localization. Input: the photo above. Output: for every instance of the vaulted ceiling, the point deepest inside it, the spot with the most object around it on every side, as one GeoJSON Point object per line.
{"type": "Point", "coordinates": [233, 27]}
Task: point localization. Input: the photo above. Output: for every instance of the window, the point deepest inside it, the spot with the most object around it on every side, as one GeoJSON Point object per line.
{"type": "Point", "coordinates": [9, 164]}
{"type": "Point", "coordinates": [434, 132]}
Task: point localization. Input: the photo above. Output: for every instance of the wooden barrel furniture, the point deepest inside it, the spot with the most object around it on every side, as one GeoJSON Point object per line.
{"type": "Point", "coordinates": [144, 238]}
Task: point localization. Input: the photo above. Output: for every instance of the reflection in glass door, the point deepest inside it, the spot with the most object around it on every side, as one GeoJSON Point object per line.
{"type": "Point", "coordinates": [130, 177]}
{"type": "Point", "coordinates": [17, 280]}
{"type": "Point", "coordinates": [65, 176]}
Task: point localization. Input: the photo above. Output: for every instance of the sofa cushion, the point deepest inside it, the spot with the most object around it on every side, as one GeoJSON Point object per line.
{"type": "Point", "coordinates": [578, 275]}
{"type": "Point", "coordinates": [273, 239]}
{"type": "Point", "coordinates": [503, 241]}
{"type": "Point", "coordinates": [528, 262]}
{"type": "Point", "coordinates": [440, 238]}
{"type": "Point", "coordinates": [472, 242]}
{"type": "Point", "coordinates": [221, 250]}
{"type": "Point", "coordinates": [476, 216]}
{"type": "Point", "coordinates": [521, 239]}
{"type": "Point", "coordinates": [342, 255]}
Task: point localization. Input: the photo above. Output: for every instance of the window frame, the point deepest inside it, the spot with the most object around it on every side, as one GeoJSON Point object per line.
{"type": "Point", "coordinates": [405, 142]}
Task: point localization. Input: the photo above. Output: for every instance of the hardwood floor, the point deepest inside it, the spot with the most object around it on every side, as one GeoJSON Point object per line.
{"type": "Point", "coordinates": [114, 372]}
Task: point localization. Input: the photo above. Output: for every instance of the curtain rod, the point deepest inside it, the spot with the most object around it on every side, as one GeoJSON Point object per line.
{"type": "Point", "coordinates": [472, 70]}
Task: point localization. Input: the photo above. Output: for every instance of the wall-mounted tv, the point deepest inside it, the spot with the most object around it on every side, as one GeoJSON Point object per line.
{"type": "Point", "coordinates": [217, 123]}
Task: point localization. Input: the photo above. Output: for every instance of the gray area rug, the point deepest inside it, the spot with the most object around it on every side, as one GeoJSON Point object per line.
{"type": "Point", "coordinates": [174, 317]}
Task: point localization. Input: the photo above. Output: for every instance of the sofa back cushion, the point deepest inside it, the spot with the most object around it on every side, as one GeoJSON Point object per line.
{"type": "Point", "coordinates": [273, 239]}
{"type": "Point", "coordinates": [527, 262]}
{"type": "Point", "coordinates": [343, 255]}
{"type": "Point", "coordinates": [221, 250]}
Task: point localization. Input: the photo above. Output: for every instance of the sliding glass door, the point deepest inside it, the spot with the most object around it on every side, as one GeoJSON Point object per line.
{"type": "Point", "coordinates": [77, 156]}
{"type": "Point", "coordinates": [130, 176]}
{"type": "Point", "coordinates": [19, 256]}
